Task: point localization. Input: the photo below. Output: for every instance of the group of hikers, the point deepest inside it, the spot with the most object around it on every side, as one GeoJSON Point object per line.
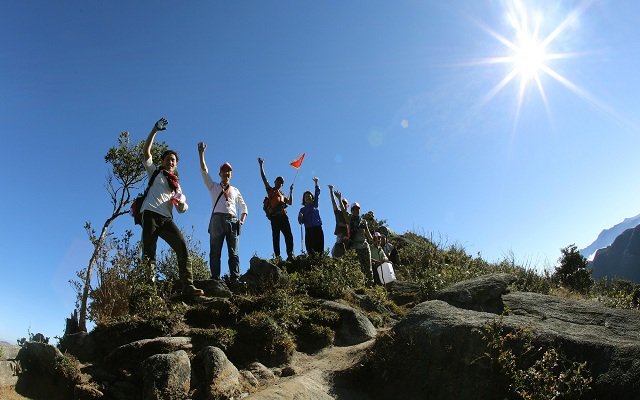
{"type": "Point", "coordinates": [229, 213]}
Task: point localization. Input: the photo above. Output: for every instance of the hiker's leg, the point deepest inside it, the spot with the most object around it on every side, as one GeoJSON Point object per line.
{"type": "Point", "coordinates": [275, 234]}
{"type": "Point", "coordinates": [150, 230]}
{"type": "Point", "coordinates": [232, 250]}
{"type": "Point", "coordinates": [216, 237]}
{"type": "Point", "coordinates": [288, 236]}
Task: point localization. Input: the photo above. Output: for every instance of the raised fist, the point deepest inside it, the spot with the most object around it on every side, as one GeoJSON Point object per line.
{"type": "Point", "coordinates": [161, 125]}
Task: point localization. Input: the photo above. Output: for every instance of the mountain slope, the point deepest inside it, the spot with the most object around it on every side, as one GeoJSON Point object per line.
{"type": "Point", "coordinates": [607, 236]}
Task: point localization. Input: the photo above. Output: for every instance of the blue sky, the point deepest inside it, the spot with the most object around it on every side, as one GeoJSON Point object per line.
{"type": "Point", "coordinates": [405, 106]}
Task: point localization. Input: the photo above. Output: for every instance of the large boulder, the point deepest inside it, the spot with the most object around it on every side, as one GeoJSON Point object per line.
{"type": "Point", "coordinates": [262, 271]}
{"type": "Point", "coordinates": [130, 356]}
{"type": "Point", "coordinates": [217, 376]}
{"type": "Point", "coordinates": [354, 327]}
{"type": "Point", "coordinates": [437, 350]}
{"type": "Point", "coordinates": [166, 376]}
{"type": "Point", "coordinates": [81, 345]}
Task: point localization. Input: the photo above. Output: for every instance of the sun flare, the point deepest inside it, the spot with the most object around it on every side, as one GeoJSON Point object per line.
{"type": "Point", "coordinates": [528, 52]}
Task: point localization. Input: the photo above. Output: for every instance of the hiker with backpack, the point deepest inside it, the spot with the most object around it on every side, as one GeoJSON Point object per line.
{"type": "Point", "coordinates": [163, 195]}
{"type": "Point", "coordinates": [224, 223]}
{"type": "Point", "coordinates": [276, 208]}
{"type": "Point", "coordinates": [341, 231]}
{"type": "Point", "coordinates": [359, 234]}
{"type": "Point", "coordinates": [310, 216]}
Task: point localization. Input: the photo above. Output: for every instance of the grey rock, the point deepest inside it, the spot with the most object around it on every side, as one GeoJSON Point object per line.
{"type": "Point", "coordinates": [218, 376]}
{"type": "Point", "coordinates": [81, 345]}
{"type": "Point", "coordinates": [446, 350]}
{"type": "Point", "coordinates": [86, 392]}
{"type": "Point", "coordinates": [38, 357]}
{"type": "Point", "coordinates": [261, 271]}
{"type": "Point", "coordinates": [403, 293]}
{"type": "Point", "coordinates": [354, 326]}
{"type": "Point", "coordinates": [166, 376]}
{"type": "Point", "coordinates": [8, 373]}
{"type": "Point", "coordinates": [482, 293]}
{"type": "Point", "coordinates": [130, 356]}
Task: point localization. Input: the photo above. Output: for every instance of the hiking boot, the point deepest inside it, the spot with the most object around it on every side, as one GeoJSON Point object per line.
{"type": "Point", "coordinates": [191, 290]}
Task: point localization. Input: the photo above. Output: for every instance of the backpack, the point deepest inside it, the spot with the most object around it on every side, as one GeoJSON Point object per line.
{"type": "Point", "coordinates": [136, 206]}
{"type": "Point", "coordinates": [270, 211]}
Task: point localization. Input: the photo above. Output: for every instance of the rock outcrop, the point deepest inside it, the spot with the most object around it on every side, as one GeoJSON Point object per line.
{"type": "Point", "coordinates": [437, 351]}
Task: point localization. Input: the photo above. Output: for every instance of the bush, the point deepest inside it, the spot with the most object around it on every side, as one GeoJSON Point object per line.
{"type": "Point", "coordinates": [572, 271]}
{"type": "Point", "coordinates": [534, 373]}
{"type": "Point", "coordinates": [328, 278]}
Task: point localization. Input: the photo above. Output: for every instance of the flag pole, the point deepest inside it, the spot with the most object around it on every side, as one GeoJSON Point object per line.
{"type": "Point", "coordinates": [294, 178]}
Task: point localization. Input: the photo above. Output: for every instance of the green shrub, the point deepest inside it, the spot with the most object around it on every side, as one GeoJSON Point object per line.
{"type": "Point", "coordinates": [264, 339]}
{"type": "Point", "coordinates": [572, 271]}
{"type": "Point", "coordinates": [533, 372]}
{"type": "Point", "coordinates": [67, 367]}
{"type": "Point", "coordinates": [328, 278]}
{"type": "Point", "coordinates": [617, 293]}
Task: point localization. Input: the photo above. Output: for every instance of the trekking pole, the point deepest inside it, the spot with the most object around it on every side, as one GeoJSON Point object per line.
{"type": "Point", "coordinates": [301, 240]}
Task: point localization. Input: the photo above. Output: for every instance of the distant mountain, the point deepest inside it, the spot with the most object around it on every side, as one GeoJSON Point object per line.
{"type": "Point", "coordinates": [607, 236]}
{"type": "Point", "coordinates": [621, 259]}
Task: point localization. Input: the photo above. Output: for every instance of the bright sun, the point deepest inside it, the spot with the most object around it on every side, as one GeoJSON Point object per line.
{"type": "Point", "coordinates": [528, 53]}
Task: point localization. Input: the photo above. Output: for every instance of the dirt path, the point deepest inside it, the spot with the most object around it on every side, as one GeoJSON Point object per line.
{"type": "Point", "coordinates": [313, 376]}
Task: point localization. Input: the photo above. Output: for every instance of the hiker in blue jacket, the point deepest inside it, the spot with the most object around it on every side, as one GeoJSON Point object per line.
{"type": "Point", "coordinates": [310, 216]}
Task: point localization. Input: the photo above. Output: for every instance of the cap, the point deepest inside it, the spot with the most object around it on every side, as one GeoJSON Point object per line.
{"type": "Point", "coordinates": [226, 166]}
{"type": "Point", "coordinates": [355, 205]}
{"type": "Point", "coordinates": [279, 179]}
{"type": "Point", "coordinates": [377, 234]}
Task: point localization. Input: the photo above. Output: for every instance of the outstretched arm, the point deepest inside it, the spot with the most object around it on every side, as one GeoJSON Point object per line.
{"type": "Point", "coordinates": [201, 148]}
{"type": "Point", "coordinates": [333, 198]}
{"type": "Point", "coordinates": [345, 214]}
{"type": "Point", "coordinates": [161, 125]}
{"type": "Point", "coordinates": [264, 177]}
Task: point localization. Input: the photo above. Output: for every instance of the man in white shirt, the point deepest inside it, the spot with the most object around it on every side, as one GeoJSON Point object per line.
{"type": "Point", "coordinates": [163, 196]}
{"type": "Point", "coordinates": [224, 222]}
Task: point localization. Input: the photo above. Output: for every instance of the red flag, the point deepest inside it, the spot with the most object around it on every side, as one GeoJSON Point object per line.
{"type": "Point", "coordinates": [297, 163]}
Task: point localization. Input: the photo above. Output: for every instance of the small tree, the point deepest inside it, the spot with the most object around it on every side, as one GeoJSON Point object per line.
{"type": "Point", "coordinates": [572, 271]}
{"type": "Point", "coordinates": [127, 173]}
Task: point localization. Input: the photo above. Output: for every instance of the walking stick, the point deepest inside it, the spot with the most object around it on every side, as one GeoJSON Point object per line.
{"type": "Point", "coordinates": [301, 240]}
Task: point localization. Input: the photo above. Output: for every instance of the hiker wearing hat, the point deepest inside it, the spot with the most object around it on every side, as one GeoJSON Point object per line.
{"type": "Point", "coordinates": [278, 203]}
{"type": "Point", "coordinates": [360, 233]}
{"type": "Point", "coordinates": [378, 255]}
{"type": "Point", "coordinates": [224, 222]}
{"type": "Point", "coordinates": [163, 195]}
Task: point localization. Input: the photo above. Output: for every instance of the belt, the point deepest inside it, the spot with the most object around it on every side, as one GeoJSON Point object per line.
{"type": "Point", "coordinates": [224, 215]}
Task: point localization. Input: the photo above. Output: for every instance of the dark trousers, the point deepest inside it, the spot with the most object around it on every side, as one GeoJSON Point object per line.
{"type": "Point", "coordinates": [280, 223]}
{"type": "Point", "coordinates": [154, 226]}
{"type": "Point", "coordinates": [314, 239]}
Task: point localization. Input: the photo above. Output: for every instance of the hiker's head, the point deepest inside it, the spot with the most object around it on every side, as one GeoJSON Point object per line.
{"type": "Point", "coordinates": [377, 237]}
{"type": "Point", "coordinates": [355, 209]}
{"type": "Point", "coordinates": [225, 172]}
{"type": "Point", "coordinates": [307, 198]}
{"type": "Point", "coordinates": [279, 182]}
{"type": "Point", "coordinates": [169, 160]}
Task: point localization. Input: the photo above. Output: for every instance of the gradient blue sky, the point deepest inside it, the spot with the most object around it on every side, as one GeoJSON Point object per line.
{"type": "Point", "coordinates": [405, 106]}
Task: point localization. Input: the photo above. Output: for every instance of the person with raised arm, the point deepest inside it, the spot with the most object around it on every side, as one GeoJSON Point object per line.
{"type": "Point", "coordinates": [224, 223]}
{"type": "Point", "coordinates": [163, 196]}
{"type": "Point", "coordinates": [278, 203]}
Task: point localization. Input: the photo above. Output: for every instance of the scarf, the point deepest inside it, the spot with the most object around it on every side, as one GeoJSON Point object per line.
{"type": "Point", "coordinates": [172, 179]}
